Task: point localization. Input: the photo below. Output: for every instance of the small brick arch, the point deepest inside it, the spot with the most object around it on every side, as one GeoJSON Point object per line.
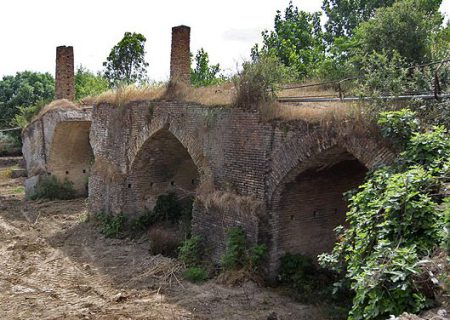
{"type": "Point", "coordinates": [70, 154]}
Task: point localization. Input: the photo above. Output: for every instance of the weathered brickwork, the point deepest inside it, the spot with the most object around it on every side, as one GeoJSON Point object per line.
{"type": "Point", "coordinates": [282, 182]}
{"type": "Point", "coordinates": [64, 75]}
{"type": "Point", "coordinates": [58, 144]}
{"type": "Point", "coordinates": [180, 60]}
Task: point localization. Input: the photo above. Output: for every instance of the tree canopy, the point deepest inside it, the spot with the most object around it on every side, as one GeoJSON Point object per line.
{"type": "Point", "coordinates": [126, 61]}
{"type": "Point", "coordinates": [88, 83]}
{"type": "Point", "coordinates": [297, 40]}
{"type": "Point", "coordinates": [204, 74]}
{"type": "Point", "coordinates": [22, 90]}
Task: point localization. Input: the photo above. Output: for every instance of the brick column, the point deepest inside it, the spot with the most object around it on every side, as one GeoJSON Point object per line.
{"type": "Point", "coordinates": [180, 60]}
{"type": "Point", "coordinates": [65, 84]}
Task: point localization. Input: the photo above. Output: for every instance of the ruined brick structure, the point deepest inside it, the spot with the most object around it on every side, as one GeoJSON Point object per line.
{"type": "Point", "coordinates": [180, 60]}
{"type": "Point", "coordinates": [282, 182]}
{"type": "Point", "coordinates": [64, 75]}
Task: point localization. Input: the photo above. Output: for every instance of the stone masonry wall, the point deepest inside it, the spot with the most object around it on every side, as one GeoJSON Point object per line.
{"type": "Point", "coordinates": [65, 83]}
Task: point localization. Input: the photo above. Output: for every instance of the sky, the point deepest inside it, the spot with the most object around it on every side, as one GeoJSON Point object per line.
{"type": "Point", "coordinates": [31, 30]}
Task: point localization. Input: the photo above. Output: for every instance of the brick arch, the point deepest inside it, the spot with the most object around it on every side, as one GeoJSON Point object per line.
{"type": "Point", "coordinates": [163, 164]}
{"type": "Point", "coordinates": [306, 202]}
{"type": "Point", "coordinates": [70, 154]}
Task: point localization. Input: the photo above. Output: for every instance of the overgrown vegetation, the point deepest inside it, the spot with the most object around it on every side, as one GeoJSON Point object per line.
{"type": "Point", "coordinates": [51, 188]}
{"type": "Point", "coordinates": [196, 274]}
{"type": "Point", "coordinates": [239, 255]}
{"type": "Point", "coordinates": [394, 221]}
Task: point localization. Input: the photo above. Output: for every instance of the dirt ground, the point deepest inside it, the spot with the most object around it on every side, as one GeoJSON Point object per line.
{"type": "Point", "coordinates": [55, 265]}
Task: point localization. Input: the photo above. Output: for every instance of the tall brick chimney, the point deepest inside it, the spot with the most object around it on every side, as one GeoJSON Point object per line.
{"type": "Point", "coordinates": [180, 60]}
{"type": "Point", "coordinates": [65, 83]}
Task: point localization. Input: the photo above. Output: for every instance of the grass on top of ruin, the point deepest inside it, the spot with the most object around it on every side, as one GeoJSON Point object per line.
{"type": "Point", "coordinates": [217, 95]}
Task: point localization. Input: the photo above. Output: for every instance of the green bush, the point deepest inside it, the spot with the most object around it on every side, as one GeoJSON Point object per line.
{"type": "Point", "coordinates": [394, 221]}
{"type": "Point", "coordinates": [398, 126]}
{"type": "Point", "coordinates": [50, 188]}
{"type": "Point", "coordinates": [259, 82]}
{"type": "Point", "coordinates": [196, 274]}
{"type": "Point", "coordinates": [236, 247]}
{"type": "Point", "coordinates": [191, 251]}
{"type": "Point", "coordinates": [238, 255]}
{"type": "Point", "coordinates": [111, 225]}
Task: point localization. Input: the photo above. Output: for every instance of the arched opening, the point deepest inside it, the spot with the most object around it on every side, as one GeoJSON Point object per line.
{"type": "Point", "coordinates": [71, 155]}
{"type": "Point", "coordinates": [312, 203]}
{"type": "Point", "coordinates": [162, 166]}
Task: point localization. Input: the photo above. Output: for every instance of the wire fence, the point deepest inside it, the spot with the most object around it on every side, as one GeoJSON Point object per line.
{"type": "Point", "coordinates": [437, 83]}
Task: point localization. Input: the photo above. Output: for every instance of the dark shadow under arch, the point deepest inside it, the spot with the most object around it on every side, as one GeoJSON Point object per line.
{"type": "Point", "coordinates": [163, 165]}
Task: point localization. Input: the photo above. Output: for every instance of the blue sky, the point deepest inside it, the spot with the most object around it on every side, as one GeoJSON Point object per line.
{"type": "Point", "coordinates": [31, 30]}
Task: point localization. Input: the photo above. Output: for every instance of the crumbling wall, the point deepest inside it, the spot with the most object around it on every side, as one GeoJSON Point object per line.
{"type": "Point", "coordinates": [55, 143]}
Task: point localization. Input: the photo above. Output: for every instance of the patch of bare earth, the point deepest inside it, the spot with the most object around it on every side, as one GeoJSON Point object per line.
{"type": "Point", "coordinates": [55, 266]}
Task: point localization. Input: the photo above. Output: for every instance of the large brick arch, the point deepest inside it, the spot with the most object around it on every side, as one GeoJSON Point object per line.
{"type": "Point", "coordinates": [167, 161]}
{"type": "Point", "coordinates": [306, 202]}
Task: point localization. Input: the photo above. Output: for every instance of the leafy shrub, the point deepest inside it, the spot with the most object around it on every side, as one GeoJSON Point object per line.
{"type": "Point", "coordinates": [259, 81]}
{"type": "Point", "coordinates": [111, 225]}
{"type": "Point", "coordinates": [236, 247]}
{"type": "Point", "coordinates": [238, 255]}
{"type": "Point", "coordinates": [164, 240]}
{"type": "Point", "coordinates": [191, 251]}
{"type": "Point", "coordinates": [256, 255]}
{"type": "Point", "coordinates": [196, 274]}
{"type": "Point", "coordinates": [398, 126]}
{"type": "Point", "coordinates": [394, 222]}
{"type": "Point", "coordinates": [50, 188]}
{"type": "Point", "coordinates": [9, 144]}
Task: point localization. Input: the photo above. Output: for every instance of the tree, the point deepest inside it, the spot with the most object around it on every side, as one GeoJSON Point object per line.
{"type": "Point", "coordinates": [346, 15]}
{"type": "Point", "coordinates": [88, 83]}
{"type": "Point", "coordinates": [126, 61]}
{"type": "Point", "coordinates": [25, 89]}
{"type": "Point", "coordinates": [407, 27]}
{"type": "Point", "coordinates": [297, 40]}
{"type": "Point", "coordinates": [204, 74]}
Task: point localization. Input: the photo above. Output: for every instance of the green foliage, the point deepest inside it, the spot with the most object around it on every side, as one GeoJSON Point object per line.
{"type": "Point", "coordinates": [196, 274]}
{"type": "Point", "coordinates": [8, 144]}
{"type": "Point", "coordinates": [24, 89]}
{"type": "Point", "coordinates": [296, 40]}
{"type": "Point", "coordinates": [235, 254]}
{"type": "Point", "coordinates": [112, 226]}
{"type": "Point", "coordinates": [88, 83]}
{"type": "Point", "coordinates": [406, 28]}
{"type": "Point", "coordinates": [398, 126]}
{"type": "Point", "coordinates": [256, 254]}
{"type": "Point", "coordinates": [393, 222]}
{"type": "Point", "coordinates": [238, 255]}
{"type": "Point", "coordinates": [191, 251]}
{"type": "Point", "coordinates": [205, 74]}
{"type": "Point", "coordinates": [126, 61]}
{"type": "Point", "coordinates": [50, 188]}
{"type": "Point", "coordinates": [383, 74]}
{"type": "Point", "coordinates": [297, 271]}
{"type": "Point", "coordinates": [344, 16]}
{"type": "Point", "coordinates": [259, 81]}
{"type": "Point", "coordinates": [26, 113]}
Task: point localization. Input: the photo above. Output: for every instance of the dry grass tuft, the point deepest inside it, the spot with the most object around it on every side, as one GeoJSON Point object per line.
{"type": "Point", "coordinates": [125, 94]}
{"type": "Point", "coordinates": [208, 96]}
{"type": "Point", "coordinates": [230, 201]}
{"type": "Point", "coordinates": [62, 104]}
{"type": "Point", "coordinates": [313, 112]}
